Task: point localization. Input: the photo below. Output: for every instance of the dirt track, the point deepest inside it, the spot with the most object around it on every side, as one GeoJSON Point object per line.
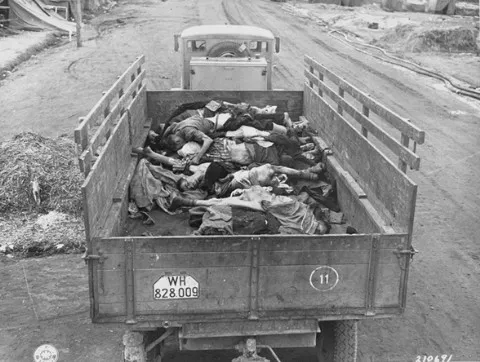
{"type": "Point", "coordinates": [48, 94]}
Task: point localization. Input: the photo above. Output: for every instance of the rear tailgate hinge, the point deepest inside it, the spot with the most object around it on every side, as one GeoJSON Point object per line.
{"type": "Point", "coordinates": [410, 251]}
{"type": "Point", "coordinates": [100, 257]}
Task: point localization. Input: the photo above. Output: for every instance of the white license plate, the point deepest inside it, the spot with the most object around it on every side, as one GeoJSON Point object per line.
{"type": "Point", "coordinates": [176, 287]}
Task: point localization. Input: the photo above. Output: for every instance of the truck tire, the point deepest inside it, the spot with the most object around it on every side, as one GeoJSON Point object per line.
{"type": "Point", "coordinates": [228, 49]}
{"type": "Point", "coordinates": [338, 343]}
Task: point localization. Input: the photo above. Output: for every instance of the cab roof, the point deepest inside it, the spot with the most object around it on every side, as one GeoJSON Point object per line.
{"type": "Point", "coordinates": [225, 31]}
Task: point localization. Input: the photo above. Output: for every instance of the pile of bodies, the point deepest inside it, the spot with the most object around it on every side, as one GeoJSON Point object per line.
{"type": "Point", "coordinates": [237, 169]}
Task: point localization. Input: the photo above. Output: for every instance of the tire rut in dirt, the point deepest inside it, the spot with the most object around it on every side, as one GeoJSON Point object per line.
{"type": "Point", "coordinates": [229, 17]}
{"type": "Point", "coordinates": [366, 67]}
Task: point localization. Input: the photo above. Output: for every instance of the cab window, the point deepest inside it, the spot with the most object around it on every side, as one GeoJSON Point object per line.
{"type": "Point", "coordinates": [196, 45]}
{"type": "Point", "coordinates": [258, 46]}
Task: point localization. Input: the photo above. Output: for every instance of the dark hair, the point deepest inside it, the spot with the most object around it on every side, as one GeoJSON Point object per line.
{"type": "Point", "coordinates": [329, 227]}
{"type": "Point", "coordinates": [179, 184]}
{"type": "Point", "coordinates": [169, 142]}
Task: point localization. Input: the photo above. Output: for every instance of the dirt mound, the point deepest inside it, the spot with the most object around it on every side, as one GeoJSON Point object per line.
{"type": "Point", "coordinates": [408, 38]}
{"type": "Point", "coordinates": [27, 235]}
{"type": "Point", "coordinates": [29, 160]}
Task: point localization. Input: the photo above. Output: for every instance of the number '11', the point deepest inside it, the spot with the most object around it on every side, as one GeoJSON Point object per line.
{"type": "Point", "coordinates": [324, 278]}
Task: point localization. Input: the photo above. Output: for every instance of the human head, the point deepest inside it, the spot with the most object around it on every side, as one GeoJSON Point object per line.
{"type": "Point", "coordinates": [174, 142]}
{"type": "Point", "coordinates": [184, 184]}
{"type": "Point", "coordinates": [323, 227]}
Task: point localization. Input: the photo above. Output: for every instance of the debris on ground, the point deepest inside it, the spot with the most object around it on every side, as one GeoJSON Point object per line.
{"type": "Point", "coordinates": [29, 160]}
{"type": "Point", "coordinates": [28, 235]}
{"type": "Point", "coordinates": [439, 39]}
{"type": "Point", "coordinates": [466, 8]}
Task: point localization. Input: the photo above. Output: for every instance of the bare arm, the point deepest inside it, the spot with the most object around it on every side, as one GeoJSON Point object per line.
{"type": "Point", "coordinates": [231, 201]}
{"type": "Point", "coordinates": [207, 142]}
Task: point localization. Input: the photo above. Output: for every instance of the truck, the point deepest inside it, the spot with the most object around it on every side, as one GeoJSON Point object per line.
{"type": "Point", "coordinates": [226, 57]}
{"type": "Point", "coordinates": [253, 293]}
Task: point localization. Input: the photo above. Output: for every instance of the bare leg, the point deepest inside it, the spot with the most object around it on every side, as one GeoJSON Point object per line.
{"type": "Point", "coordinates": [148, 152]}
{"type": "Point", "coordinates": [279, 129]}
{"type": "Point", "coordinates": [308, 174]}
{"type": "Point", "coordinates": [229, 201]}
{"type": "Point", "coordinates": [232, 201]}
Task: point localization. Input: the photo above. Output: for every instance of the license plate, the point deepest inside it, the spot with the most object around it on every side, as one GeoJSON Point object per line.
{"type": "Point", "coordinates": [176, 287]}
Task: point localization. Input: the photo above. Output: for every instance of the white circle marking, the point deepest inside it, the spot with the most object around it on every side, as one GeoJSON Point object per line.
{"type": "Point", "coordinates": [327, 267]}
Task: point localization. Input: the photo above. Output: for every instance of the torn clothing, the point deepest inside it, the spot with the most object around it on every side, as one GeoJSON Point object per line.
{"type": "Point", "coordinates": [217, 220]}
{"type": "Point", "coordinates": [295, 217]}
{"type": "Point", "coordinates": [153, 185]}
{"type": "Point", "coordinates": [226, 220]}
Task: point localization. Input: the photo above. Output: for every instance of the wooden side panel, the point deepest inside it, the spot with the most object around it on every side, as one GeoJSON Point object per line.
{"type": "Point", "coordinates": [402, 124]}
{"type": "Point", "coordinates": [117, 215]}
{"type": "Point", "coordinates": [404, 153]}
{"type": "Point", "coordinates": [162, 103]}
{"type": "Point", "coordinates": [389, 190]}
{"type": "Point", "coordinates": [100, 184]}
{"type": "Point", "coordinates": [137, 117]}
{"type": "Point", "coordinates": [353, 201]}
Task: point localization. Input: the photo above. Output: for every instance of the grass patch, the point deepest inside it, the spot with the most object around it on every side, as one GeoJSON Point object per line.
{"type": "Point", "coordinates": [51, 223]}
{"type": "Point", "coordinates": [51, 40]}
{"type": "Point", "coordinates": [29, 159]}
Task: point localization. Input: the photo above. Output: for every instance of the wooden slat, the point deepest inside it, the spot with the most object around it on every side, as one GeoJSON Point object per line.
{"type": "Point", "coordinates": [97, 112]}
{"type": "Point", "coordinates": [162, 103]}
{"type": "Point", "coordinates": [104, 130]}
{"type": "Point", "coordinates": [341, 94]}
{"type": "Point", "coordinates": [402, 152]}
{"type": "Point", "coordinates": [402, 165]}
{"type": "Point", "coordinates": [388, 189]}
{"type": "Point", "coordinates": [402, 124]}
{"type": "Point", "coordinates": [137, 117]}
{"type": "Point", "coordinates": [289, 258]}
{"type": "Point", "coordinates": [366, 113]}
{"type": "Point", "coordinates": [178, 260]}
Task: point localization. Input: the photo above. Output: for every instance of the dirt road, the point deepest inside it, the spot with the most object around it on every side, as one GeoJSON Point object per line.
{"type": "Point", "coordinates": [46, 300]}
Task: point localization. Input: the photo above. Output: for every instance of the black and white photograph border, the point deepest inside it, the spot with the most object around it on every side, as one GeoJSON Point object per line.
{"type": "Point", "coordinates": [107, 251]}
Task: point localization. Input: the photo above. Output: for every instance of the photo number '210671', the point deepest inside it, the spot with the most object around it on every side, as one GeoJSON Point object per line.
{"type": "Point", "coordinates": [442, 358]}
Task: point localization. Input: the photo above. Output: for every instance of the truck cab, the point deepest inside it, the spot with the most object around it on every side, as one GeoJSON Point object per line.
{"type": "Point", "coordinates": [226, 57]}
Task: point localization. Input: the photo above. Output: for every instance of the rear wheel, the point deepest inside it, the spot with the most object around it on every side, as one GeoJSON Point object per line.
{"type": "Point", "coordinates": [337, 341]}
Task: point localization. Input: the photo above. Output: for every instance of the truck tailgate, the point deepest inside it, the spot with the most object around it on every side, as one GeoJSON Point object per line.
{"type": "Point", "coordinates": [180, 279]}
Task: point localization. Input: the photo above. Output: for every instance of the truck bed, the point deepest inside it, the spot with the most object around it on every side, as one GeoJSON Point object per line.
{"type": "Point", "coordinates": [250, 279]}
{"type": "Point", "coordinates": [177, 225]}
